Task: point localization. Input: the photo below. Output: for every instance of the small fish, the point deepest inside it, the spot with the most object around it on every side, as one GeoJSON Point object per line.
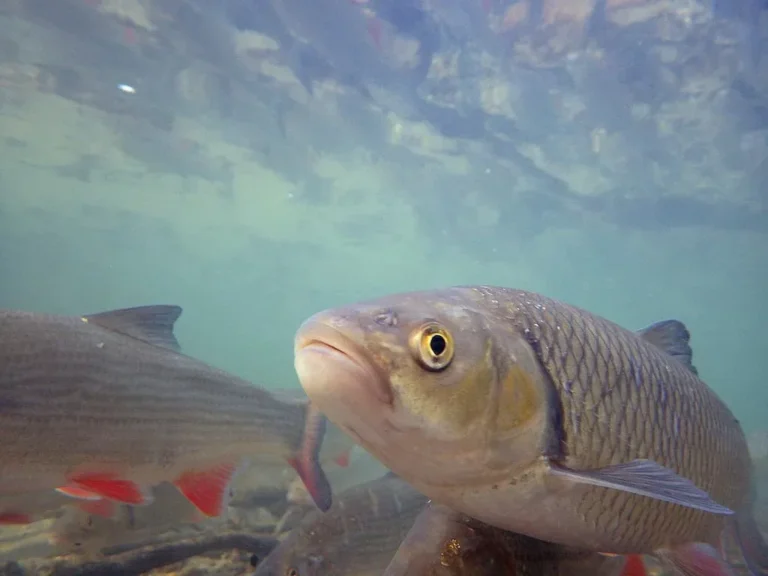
{"type": "Point", "coordinates": [541, 418]}
{"type": "Point", "coordinates": [356, 537]}
{"type": "Point", "coordinates": [105, 406]}
{"type": "Point", "coordinates": [446, 543]}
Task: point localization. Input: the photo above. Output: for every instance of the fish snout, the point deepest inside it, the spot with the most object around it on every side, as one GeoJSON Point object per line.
{"type": "Point", "coordinates": [330, 361]}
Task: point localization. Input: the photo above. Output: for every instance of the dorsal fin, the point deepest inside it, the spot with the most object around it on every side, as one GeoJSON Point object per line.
{"type": "Point", "coordinates": [672, 337]}
{"type": "Point", "coordinates": [152, 324]}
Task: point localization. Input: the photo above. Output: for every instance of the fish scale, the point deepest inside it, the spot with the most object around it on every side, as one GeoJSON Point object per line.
{"type": "Point", "coordinates": [612, 389]}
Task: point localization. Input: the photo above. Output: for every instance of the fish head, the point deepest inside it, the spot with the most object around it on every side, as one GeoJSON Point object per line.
{"type": "Point", "coordinates": [434, 380]}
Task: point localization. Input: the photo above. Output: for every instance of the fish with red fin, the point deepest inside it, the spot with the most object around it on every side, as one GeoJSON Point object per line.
{"type": "Point", "coordinates": [106, 406]}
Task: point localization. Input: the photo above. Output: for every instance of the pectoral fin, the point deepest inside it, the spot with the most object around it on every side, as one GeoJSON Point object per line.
{"type": "Point", "coordinates": [107, 485]}
{"type": "Point", "coordinates": [433, 532]}
{"type": "Point", "coordinates": [307, 461]}
{"type": "Point", "coordinates": [646, 478]}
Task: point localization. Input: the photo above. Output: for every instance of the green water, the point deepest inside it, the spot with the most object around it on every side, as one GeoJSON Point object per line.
{"type": "Point", "coordinates": [254, 215]}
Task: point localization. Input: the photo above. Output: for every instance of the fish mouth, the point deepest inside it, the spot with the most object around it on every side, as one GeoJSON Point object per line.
{"type": "Point", "coordinates": [330, 363]}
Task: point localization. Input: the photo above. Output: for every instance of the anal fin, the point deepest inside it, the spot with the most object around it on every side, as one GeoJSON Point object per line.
{"type": "Point", "coordinates": [107, 486]}
{"type": "Point", "coordinates": [208, 489]}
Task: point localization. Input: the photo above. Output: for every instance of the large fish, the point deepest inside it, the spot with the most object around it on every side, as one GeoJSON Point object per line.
{"type": "Point", "coordinates": [541, 418]}
{"type": "Point", "coordinates": [443, 542]}
{"type": "Point", "coordinates": [356, 537]}
{"type": "Point", "coordinates": [105, 406]}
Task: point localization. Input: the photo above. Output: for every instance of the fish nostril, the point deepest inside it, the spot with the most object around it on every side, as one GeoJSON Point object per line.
{"type": "Point", "coordinates": [386, 318]}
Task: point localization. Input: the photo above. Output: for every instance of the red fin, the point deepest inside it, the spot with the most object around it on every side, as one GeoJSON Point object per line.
{"type": "Point", "coordinates": [375, 30]}
{"type": "Point", "coordinates": [208, 490]}
{"type": "Point", "coordinates": [112, 487]}
{"type": "Point", "coordinates": [342, 459]}
{"type": "Point", "coordinates": [14, 518]}
{"type": "Point", "coordinates": [129, 35]}
{"type": "Point", "coordinates": [696, 560]}
{"type": "Point", "coordinates": [634, 566]}
{"type": "Point", "coordinates": [101, 507]}
{"type": "Point", "coordinates": [307, 462]}
{"type": "Point", "coordinates": [79, 493]}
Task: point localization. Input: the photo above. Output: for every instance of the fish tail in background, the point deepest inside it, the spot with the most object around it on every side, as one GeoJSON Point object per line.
{"type": "Point", "coordinates": [307, 461]}
{"type": "Point", "coordinates": [696, 559]}
{"type": "Point", "coordinates": [15, 519]}
{"type": "Point", "coordinates": [634, 566]}
{"type": "Point", "coordinates": [751, 543]}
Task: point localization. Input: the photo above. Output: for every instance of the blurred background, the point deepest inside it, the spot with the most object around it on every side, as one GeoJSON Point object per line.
{"type": "Point", "coordinates": [255, 161]}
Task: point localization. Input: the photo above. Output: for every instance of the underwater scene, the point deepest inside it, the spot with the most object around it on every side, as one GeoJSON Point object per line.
{"type": "Point", "coordinates": [383, 287]}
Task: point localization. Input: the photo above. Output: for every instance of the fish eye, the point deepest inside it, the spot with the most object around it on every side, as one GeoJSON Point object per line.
{"type": "Point", "coordinates": [432, 346]}
{"type": "Point", "coordinates": [291, 572]}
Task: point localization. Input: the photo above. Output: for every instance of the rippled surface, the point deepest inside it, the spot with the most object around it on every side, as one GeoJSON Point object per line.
{"type": "Point", "coordinates": [257, 161]}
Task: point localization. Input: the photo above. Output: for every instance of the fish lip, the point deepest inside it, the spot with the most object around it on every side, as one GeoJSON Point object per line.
{"type": "Point", "coordinates": [326, 339]}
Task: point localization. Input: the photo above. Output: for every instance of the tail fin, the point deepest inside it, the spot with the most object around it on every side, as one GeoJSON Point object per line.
{"type": "Point", "coordinates": [751, 543]}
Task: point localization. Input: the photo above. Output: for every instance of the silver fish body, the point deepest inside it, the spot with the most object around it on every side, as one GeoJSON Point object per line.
{"type": "Point", "coordinates": [109, 398]}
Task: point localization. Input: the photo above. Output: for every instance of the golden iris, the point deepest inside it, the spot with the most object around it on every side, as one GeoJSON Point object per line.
{"type": "Point", "coordinates": [432, 346]}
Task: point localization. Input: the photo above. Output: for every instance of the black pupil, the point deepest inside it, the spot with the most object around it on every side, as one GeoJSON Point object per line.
{"type": "Point", "coordinates": [437, 344]}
